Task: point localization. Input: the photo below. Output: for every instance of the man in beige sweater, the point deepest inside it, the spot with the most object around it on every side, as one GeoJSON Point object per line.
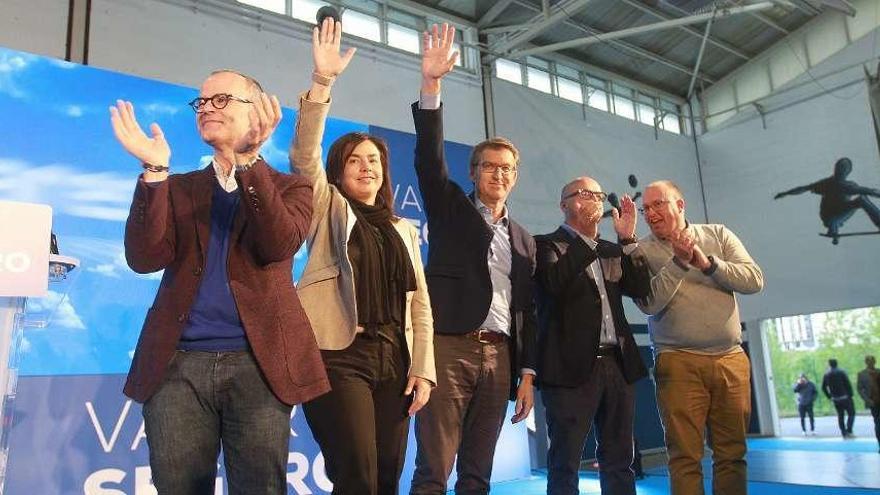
{"type": "Point", "coordinates": [701, 371]}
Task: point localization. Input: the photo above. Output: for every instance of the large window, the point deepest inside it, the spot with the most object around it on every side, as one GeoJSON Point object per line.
{"type": "Point", "coordinates": [271, 5]}
{"type": "Point", "coordinates": [508, 70]}
{"type": "Point", "coordinates": [623, 102]}
{"type": "Point", "coordinates": [671, 118]}
{"type": "Point", "coordinates": [361, 25]}
{"type": "Point", "coordinates": [598, 97]}
{"type": "Point", "coordinates": [579, 86]}
{"type": "Point", "coordinates": [570, 90]}
{"type": "Point", "coordinates": [538, 74]}
{"type": "Point", "coordinates": [647, 111]}
{"type": "Point", "coordinates": [539, 79]}
{"type": "Point", "coordinates": [306, 10]}
{"type": "Point", "coordinates": [378, 22]}
{"type": "Point", "coordinates": [403, 38]}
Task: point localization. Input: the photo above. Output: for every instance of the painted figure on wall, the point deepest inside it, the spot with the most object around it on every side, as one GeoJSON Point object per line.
{"type": "Point", "coordinates": [840, 200]}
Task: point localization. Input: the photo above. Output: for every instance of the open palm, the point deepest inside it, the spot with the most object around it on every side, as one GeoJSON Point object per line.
{"type": "Point", "coordinates": [438, 55]}
{"type": "Point", "coordinates": [153, 150]}
{"type": "Point", "coordinates": [625, 218]}
{"type": "Point", "coordinates": [325, 49]}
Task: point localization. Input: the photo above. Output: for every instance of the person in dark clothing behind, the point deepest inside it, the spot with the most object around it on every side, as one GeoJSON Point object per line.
{"type": "Point", "coordinates": [868, 386]}
{"type": "Point", "coordinates": [837, 387]}
{"type": "Point", "coordinates": [806, 396]}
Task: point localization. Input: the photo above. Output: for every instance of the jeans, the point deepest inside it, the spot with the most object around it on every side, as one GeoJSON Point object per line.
{"type": "Point", "coordinates": [210, 400]}
{"type": "Point", "coordinates": [845, 406]}
{"type": "Point", "coordinates": [807, 410]}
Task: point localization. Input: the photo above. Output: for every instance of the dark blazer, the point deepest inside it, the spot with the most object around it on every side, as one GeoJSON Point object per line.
{"type": "Point", "coordinates": [168, 228]}
{"type": "Point", "coordinates": [458, 246]}
{"type": "Point", "coordinates": [570, 310]}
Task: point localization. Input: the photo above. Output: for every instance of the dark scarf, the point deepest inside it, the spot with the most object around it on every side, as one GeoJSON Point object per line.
{"type": "Point", "coordinates": [383, 272]}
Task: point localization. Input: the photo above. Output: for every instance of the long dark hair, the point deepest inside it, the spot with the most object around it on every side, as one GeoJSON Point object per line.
{"type": "Point", "coordinates": [338, 155]}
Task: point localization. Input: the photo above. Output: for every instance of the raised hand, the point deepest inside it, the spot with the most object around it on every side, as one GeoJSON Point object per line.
{"type": "Point", "coordinates": [625, 218]}
{"type": "Point", "coordinates": [152, 150]}
{"type": "Point", "coordinates": [325, 49]}
{"type": "Point", "coordinates": [264, 116]}
{"type": "Point", "coordinates": [438, 55]}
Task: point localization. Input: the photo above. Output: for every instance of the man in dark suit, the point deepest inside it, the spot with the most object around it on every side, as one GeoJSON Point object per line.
{"type": "Point", "coordinates": [226, 349]}
{"type": "Point", "coordinates": [480, 264]}
{"type": "Point", "coordinates": [587, 357]}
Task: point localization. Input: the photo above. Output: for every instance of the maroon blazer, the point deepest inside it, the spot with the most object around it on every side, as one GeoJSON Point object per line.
{"type": "Point", "coordinates": [168, 228]}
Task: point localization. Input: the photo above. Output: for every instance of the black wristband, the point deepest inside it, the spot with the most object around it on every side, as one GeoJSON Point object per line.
{"type": "Point", "coordinates": [712, 266]}
{"type": "Point", "coordinates": [149, 167]}
{"type": "Point", "coordinates": [627, 240]}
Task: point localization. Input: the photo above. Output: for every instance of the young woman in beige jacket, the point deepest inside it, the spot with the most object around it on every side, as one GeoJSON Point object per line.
{"type": "Point", "coordinates": [364, 292]}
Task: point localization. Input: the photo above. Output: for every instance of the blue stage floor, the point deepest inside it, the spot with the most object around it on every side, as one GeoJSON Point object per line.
{"type": "Point", "coordinates": [786, 466]}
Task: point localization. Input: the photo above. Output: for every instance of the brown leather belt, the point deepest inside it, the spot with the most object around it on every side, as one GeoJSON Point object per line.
{"type": "Point", "coordinates": [484, 336]}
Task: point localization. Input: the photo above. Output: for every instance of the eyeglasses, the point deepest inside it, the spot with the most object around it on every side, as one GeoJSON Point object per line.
{"type": "Point", "coordinates": [491, 168]}
{"type": "Point", "coordinates": [587, 194]}
{"type": "Point", "coordinates": [219, 101]}
{"type": "Point", "coordinates": [656, 205]}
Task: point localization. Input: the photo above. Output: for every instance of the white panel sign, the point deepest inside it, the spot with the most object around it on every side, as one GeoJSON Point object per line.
{"type": "Point", "coordinates": [25, 229]}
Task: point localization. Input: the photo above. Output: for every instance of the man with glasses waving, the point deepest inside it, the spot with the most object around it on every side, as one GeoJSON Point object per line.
{"type": "Point", "coordinates": [226, 348]}
{"type": "Point", "coordinates": [480, 266]}
{"type": "Point", "coordinates": [701, 371]}
{"type": "Point", "coordinates": [588, 359]}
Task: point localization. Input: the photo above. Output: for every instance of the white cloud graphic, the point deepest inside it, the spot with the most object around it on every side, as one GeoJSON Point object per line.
{"type": "Point", "coordinates": [11, 64]}
{"type": "Point", "coordinates": [105, 269]}
{"type": "Point", "coordinates": [74, 111]}
{"type": "Point", "coordinates": [102, 257]}
{"type": "Point", "coordinates": [54, 309]}
{"type": "Point", "coordinates": [159, 108]}
{"type": "Point", "coordinates": [70, 191]}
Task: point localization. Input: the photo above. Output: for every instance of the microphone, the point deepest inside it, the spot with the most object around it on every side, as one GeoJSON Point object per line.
{"type": "Point", "coordinates": [325, 12]}
{"type": "Point", "coordinates": [614, 200]}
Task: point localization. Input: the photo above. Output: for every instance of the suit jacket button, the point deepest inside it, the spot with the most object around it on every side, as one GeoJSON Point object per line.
{"type": "Point", "coordinates": [197, 271]}
{"type": "Point", "coordinates": [182, 318]}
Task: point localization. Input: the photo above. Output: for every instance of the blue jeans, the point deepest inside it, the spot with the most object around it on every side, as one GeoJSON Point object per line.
{"type": "Point", "coordinates": [213, 399]}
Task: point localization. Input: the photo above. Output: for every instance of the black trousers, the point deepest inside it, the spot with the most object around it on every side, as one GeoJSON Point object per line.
{"type": "Point", "coordinates": [362, 423]}
{"type": "Point", "coordinates": [875, 412]}
{"type": "Point", "coordinates": [607, 401]}
{"type": "Point", "coordinates": [845, 406]}
{"type": "Point", "coordinates": [807, 410]}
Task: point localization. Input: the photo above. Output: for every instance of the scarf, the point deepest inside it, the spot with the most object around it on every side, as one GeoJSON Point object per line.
{"type": "Point", "coordinates": [383, 271]}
